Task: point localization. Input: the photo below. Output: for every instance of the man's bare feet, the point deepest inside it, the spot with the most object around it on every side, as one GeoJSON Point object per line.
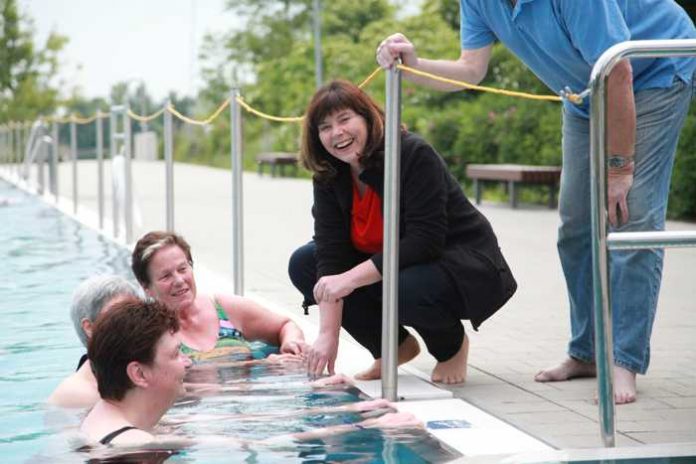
{"type": "Point", "coordinates": [454, 369]}
{"type": "Point", "coordinates": [624, 385]}
{"type": "Point", "coordinates": [408, 350]}
{"type": "Point", "coordinates": [569, 369]}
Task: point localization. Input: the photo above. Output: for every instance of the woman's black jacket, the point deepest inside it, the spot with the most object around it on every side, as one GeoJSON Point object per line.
{"type": "Point", "coordinates": [437, 223]}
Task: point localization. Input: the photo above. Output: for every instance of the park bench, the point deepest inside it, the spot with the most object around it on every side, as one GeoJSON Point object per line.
{"type": "Point", "coordinates": [277, 162]}
{"type": "Point", "coordinates": [514, 174]}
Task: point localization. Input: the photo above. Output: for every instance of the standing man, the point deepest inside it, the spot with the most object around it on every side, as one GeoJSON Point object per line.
{"type": "Point", "coordinates": [648, 99]}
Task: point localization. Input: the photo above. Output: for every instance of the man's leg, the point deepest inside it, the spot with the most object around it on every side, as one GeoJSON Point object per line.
{"type": "Point", "coordinates": [574, 251]}
{"type": "Point", "coordinates": [636, 275]}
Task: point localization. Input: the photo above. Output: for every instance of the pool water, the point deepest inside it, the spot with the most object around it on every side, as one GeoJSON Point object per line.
{"type": "Point", "coordinates": [44, 256]}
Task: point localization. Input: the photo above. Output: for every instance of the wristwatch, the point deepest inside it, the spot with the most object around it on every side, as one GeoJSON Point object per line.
{"type": "Point", "coordinates": [618, 162]}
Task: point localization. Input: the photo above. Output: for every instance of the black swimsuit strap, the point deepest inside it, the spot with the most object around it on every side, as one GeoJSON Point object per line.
{"type": "Point", "coordinates": [83, 360]}
{"type": "Point", "coordinates": [110, 436]}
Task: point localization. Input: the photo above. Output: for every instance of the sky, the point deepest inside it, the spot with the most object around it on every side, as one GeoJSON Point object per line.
{"type": "Point", "coordinates": [155, 41]}
{"type": "Point", "coordinates": [151, 41]}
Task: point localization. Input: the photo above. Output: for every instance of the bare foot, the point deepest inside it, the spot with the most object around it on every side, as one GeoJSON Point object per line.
{"type": "Point", "coordinates": [624, 385]}
{"type": "Point", "coordinates": [454, 369]}
{"type": "Point", "coordinates": [408, 350]}
{"type": "Point", "coordinates": [569, 369]}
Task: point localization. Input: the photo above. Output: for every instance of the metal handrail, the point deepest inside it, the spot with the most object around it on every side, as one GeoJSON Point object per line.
{"type": "Point", "coordinates": [602, 241]}
{"type": "Point", "coordinates": [237, 192]}
{"type": "Point", "coordinates": [390, 268]}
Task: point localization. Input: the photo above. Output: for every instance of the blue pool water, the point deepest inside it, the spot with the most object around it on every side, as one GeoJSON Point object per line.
{"type": "Point", "coordinates": [44, 255]}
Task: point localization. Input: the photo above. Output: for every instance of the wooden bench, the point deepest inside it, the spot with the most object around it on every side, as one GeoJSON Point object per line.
{"type": "Point", "coordinates": [514, 174]}
{"type": "Point", "coordinates": [276, 161]}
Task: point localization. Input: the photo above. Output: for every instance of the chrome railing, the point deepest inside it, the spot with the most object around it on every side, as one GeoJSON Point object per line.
{"type": "Point", "coordinates": [602, 240]}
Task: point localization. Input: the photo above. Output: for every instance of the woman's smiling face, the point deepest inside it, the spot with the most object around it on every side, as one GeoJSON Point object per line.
{"type": "Point", "coordinates": [171, 278]}
{"type": "Point", "coordinates": [343, 134]}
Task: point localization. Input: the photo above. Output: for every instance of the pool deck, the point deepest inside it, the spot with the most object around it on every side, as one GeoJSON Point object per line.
{"type": "Point", "coordinates": [529, 333]}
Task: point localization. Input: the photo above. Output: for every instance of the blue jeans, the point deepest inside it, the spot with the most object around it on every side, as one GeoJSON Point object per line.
{"type": "Point", "coordinates": [635, 275]}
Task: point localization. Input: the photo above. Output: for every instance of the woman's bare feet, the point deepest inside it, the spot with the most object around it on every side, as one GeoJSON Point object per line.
{"type": "Point", "coordinates": [624, 385]}
{"type": "Point", "coordinates": [569, 369]}
{"type": "Point", "coordinates": [454, 369]}
{"type": "Point", "coordinates": [408, 350]}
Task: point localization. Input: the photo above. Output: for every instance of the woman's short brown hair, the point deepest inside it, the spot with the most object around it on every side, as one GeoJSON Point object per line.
{"type": "Point", "coordinates": [127, 331]}
{"type": "Point", "coordinates": [146, 248]}
{"type": "Point", "coordinates": [334, 96]}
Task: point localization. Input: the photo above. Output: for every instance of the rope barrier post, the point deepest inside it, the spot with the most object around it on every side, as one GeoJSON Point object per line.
{"type": "Point", "coordinates": [5, 139]}
{"type": "Point", "coordinates": [23, 173]}
{"type": "Point", "coordinates": [390, 271]}
{"type": "Point", "coordinates": [237, 191]}
{"type": "Point", "coordinates": [3, 144]}
{"type": "Point", "coordinates": [73, 154]}
{"type": "Point", "coordinates": [128, 177]}
{"type": "Point", "coordinates": [316, 23]}
{"type": "Point", "coordinates": [600, 236]}
{"type": "Point", "coordinates": [113, 148]}
{"type": "Point", "coordinates": [53, 171]}
{"type": "Point", "coordinates": [169, 165]}
{"type": "Point", "coordinates": [40, 168]}
{"type": "Point", "coordinates": [100, 169]}
{"type": "Point", "coordinates": [16, 149]}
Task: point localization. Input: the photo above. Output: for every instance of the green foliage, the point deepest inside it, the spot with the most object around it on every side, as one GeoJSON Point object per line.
{"type": "Point", "coordinates": [26, 90]}
{"type": "Point", "coordinates": [273, 61]}
{"type": "Point", "coordinates": [682, 199]}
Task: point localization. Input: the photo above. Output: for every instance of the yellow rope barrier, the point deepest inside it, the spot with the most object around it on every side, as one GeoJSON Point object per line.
{"type": "Point", "coordinates": [149, 118]}
{"type": "Point", "coordinates": [81, 120]}
{"type": "Point", "coordinates": [251, 110]}
{"type": "Point", "coordinates": [369, 78]}
{"type": "Point", "coordinates": [201, 122]}
{"type": "Point", "coordinates": [572, 97]}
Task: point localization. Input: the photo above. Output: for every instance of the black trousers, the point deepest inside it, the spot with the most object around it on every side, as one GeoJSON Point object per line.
{"type": "Point", "coordinates": [428, 302]}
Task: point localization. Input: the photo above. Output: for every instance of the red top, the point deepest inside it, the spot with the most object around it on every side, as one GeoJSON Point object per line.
{"type": "Point", "coordinates": [366, 228]}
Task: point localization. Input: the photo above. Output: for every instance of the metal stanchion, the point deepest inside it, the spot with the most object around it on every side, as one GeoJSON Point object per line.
{"type": "Point", "coordinates": [390, 268]}
{"type": "Point", "coordinates": [113, 149]}
{"type": "Point", "coordinates": [53, 172]}
{"type": "Point", "coordinates": [169, 165]}
{"type": "Point", "coordinates": [44, 140]}
{"type": "Point", "coordinates": [237, 200]}
{"type": "Point", "coordinates": [16, 150]}
{"type": "Point", "coordinates": [600, 237]}
{"type": "Point", "coordinates": [128, 177]}
{"type": "Point", "coordinates": [100, 168]}
{"type": "Point", "coordinates": [73, 154]}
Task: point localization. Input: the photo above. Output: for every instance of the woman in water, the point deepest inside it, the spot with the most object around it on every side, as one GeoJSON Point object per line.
{"type": "Point", "coordinates": [212, 326]}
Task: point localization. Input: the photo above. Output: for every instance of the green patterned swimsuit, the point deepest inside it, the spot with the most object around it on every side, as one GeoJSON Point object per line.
{"type": "Point", "coordinates": [230, 341]}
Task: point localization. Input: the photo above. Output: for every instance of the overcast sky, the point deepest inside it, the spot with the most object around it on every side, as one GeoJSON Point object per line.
{"type": "Point", "coordinates": [117, 40]}
{"type": "Point", "coordinates": [156, 41]}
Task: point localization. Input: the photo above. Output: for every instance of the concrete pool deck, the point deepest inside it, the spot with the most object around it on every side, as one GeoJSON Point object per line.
{"type": "Point", "coordinates": [529, 333]}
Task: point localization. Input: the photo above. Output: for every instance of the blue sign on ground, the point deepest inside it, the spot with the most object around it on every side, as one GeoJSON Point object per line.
{"type": "Point", "coordinates": [448, 424]}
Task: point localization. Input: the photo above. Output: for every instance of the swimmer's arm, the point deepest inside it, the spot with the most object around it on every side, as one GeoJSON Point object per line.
{"type": "Point", "coordinates": [72, 393]}
{"type": "Point", "coordinates": [255, 321]}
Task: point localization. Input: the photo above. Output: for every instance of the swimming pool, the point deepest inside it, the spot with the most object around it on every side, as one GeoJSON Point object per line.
{"type": "Point", "coordinates": [44, 256]}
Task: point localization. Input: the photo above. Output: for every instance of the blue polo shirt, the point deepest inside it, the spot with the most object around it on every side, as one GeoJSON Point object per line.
{"type": "Point", "coordinates": [560, 40]}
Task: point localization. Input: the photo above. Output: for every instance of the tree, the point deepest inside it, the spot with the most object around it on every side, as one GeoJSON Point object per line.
{"type": "Point", "coordinates": [26, 89]}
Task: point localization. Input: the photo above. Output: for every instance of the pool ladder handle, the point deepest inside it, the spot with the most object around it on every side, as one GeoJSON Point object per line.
{"type": "Point", "coordinates": [646, 240]}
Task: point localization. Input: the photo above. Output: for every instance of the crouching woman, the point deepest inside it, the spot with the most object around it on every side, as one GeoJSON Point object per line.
{"type": "Point", "coordinates": [450, 265]}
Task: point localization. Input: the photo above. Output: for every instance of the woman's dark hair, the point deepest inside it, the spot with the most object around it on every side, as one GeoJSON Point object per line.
{"type": "Point", "coordinates": [146, 248]}
{"type": "Point", "coordinates": [127, 331]}
{"type": "Point", "coordinates": [334, 96]}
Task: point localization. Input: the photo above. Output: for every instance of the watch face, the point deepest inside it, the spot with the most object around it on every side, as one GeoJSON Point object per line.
{"type": "Point", "coordinates": [617, 162]}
